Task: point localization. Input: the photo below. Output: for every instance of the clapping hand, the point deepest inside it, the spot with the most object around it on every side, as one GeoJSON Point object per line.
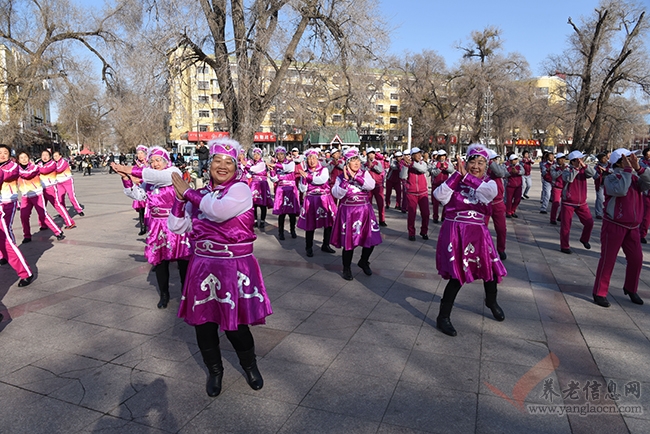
{"type": "Point", "coordinates": [180, 186]}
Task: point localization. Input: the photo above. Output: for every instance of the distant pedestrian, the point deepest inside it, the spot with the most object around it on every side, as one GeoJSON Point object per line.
{"type": "Point", "coordinates": [515, 173]}
{"type": "Point", "coordinates": [548, 159]}
{"type": "Point", "coordinates": [527, 163]}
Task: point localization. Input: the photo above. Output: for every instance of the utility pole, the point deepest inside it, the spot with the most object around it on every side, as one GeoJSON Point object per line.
{"type": "Point", "coordinates": [410, 124]}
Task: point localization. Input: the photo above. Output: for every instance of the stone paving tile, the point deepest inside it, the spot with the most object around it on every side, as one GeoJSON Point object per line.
{"type": "Point", "coordinates": [225, 415]}
{"type": "Point", "coordinates": [351, 393]}
{"type": "Point", "coordinates": [512, 350]}
{"type": "Point", "coordinates": [330, 326]}
{"type": "Point", "coordinates": [310, 350]}
{"type": "Point", "coordinates": [442, 372]}
{"type": "Point", "coordinates": [372, 359]}
{"type": "Point", "coordinates": [115, 425]}
{"type": "Point", "coordinates": [496, 415]}
{"type": "Point", "coordinates": [310, 420]}
{"type": "Point", "coordinates": [387, 334]}
{"type": "Point", "coordinates": [430, 409]}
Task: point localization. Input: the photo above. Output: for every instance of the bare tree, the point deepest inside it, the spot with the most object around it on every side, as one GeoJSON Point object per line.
{"type": "Point", "coordinates": [257, 35]}
{"type": "Point", "coordinates": [43, 33]}
{"type": "Point", "coordinates": [606, 58]}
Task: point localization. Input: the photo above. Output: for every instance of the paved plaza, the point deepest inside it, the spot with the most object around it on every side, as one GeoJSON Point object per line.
{"type": "Point", "coordinates": [84, 348]}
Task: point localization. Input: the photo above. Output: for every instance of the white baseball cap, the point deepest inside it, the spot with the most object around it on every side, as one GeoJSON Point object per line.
{"type": "Point", "coordinates": [398, 154]}
{"type": "Point", "coordinates": [415, 150]}
{"type": "Point", "coordinates": [560, 155]}
{"type": "Point", "coordinates": [617, 154]}
{"type": "Point", "coordinates": [442, 152]}
{"type": "Point", "coordinates": [492, 154]}
{"type": "Point", "coordinates": [513, 157]}
{"type": "Point", "coordinates": [369, 150]}
{"type": "Point", "coordinates": [434, 153]}
{"type": "Point", "coordinates": [295, 149]}
{"type": "Point", "coordinates": [576, 154]}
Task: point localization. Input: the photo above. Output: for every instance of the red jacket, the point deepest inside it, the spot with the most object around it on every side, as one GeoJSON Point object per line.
{"type": "Point", "coordinates": [574, 192]}
{"type": "Point", "coordinates": [624, 198]}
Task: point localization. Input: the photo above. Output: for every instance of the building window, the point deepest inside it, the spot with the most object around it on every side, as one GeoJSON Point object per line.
{"type": "Point", "coordinates": [379, 95]}
{"type": "Point", "coordinates": [203, 70]}
{"type": "Point", "coordinates": [380, 108]}
{"type": "Point", "coordinates": [394, 96]}
{"type": "Point", "coordinates": [337, 118]}
{"type": "Point", "coordinates": [393, 120]}
{"type": "Point", "coordinates": [204, 113]}
{"type": "Point", "coordinates": [393, 109]}
{"type": "Point", "coordinates": [214, 82]}
{"type": "Point", "coordinates": [204, 99]}
{"type": "Point", "coordinates": [203, 128]}
{"type": "Point", "coordinates": [204, 85]}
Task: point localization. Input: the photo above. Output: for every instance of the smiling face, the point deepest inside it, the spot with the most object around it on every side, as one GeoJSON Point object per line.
{"type": "Point", "coordinates": [56, 156]}
{"type": "Point", "coordinates": [157, 162]}
{"type": "Point", "coordinates": [312, 161]}
{"type": "Point", "coordinates": [222, 169]}
{"type": "Point", "coordinates": [4, 155]}
{"type": "Point", "coordinates": [281, 156]}
{"type": "Point", "coordinates": [23, 159]}
{"type": "Point", "coordinates": [141, 156]}
{"type": "Point", "coordinates": [476, 166]}
{"type": "Point", "coordinates": [45, 156]}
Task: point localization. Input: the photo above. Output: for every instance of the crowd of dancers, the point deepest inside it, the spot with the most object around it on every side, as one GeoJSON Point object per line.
{"type": "Point", "coordinates": [210, 230]}
{"type": "Point", "coordinates": [27, 186]}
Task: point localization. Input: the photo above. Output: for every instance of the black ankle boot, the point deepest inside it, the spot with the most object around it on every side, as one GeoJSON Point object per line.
{"type": "Point", "coordinates": [281, 235]}
{"type": "Point", "coordinates": [164, 299]}
{"type": "Point", "coordinates": [491, 300]}
{"type": "Point", "coordinates": [249, 365]}
{"type": "Point", "coordinates": [293, 233]}
{"type": "Point", "coordinates": [212, 360]}
{"type": "Point", "coordinates": [443, 322]}
{"type": "Point", "coordinates": [347, 273]}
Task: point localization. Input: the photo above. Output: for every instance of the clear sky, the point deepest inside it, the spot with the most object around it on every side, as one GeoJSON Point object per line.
{"type": "Point", "coordinates": [534, 29]}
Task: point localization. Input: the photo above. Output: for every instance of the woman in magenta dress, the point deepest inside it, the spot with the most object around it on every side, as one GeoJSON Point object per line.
{"type": "Point", "coordinates": [162, 245]}
{"type": "Point", "coordinates": [257, 171]}
{"type": "Point", "coordinates": [355, 223]}
{"type": "Point", "coordinates": [224, 286]}
{"type": "Point", "coordinates": [140, 161]}
{"type": "Point", "coordinates": [286, 193]}
{"type": "Point", "coordinates": [318, 209]}
{"type": "Point", "coordinates": [465, 250]}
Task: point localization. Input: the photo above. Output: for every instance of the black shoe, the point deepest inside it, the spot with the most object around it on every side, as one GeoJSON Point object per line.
{"type": "Point", "coordinates": [143, 231]}
{"type": "Point", "coordinates": [262, 224]}
{"type": "Point", "coordinates": [213, 384]}
{"type": "Point", "coordinates": [424, 236]}
{"type": "Point", "coordinates": [383, 224]}
{"type": "Point", "coordinates": [397, 207]}
{"type": "Point", "coordinates": [43, 228]}
{"type": "Point", "coordinates": [81, 214]}
{"type": "Point", "coordinates": [587, 245]}
{"type": "Point", "coordinates": [543, 212]}
{"type": "Point", "coordinates": [497, 312]}
{"type": "Point", "coordinates": [347, 273]}
{"type": "Point", "coordinates": [4, 261]}
{"type": "Point", "coordinates": [634, 297]}
{"type": "Point", "coordinates": [567, 251]}
{"type": "Point", "coordinates": [403, 211]}
{"type": "Point", "coordinates": [256, 225]}
{"type": "Point", "coordinates": [164, 300]}
{"type": "Point", "coordinates": [554, 223]}
{"type": "Point", "coordinates": [599, 217]}
{"type": "Point", "coordinates": [26, 281]}
{"type": "Point", "coordinates": [365, 266]}
{"type": "Point", "coordinates": [508, 216]}
{"type": "Point", "coordinates": [293, 233]}
{"type": "Point", "coordinates": [281, 236]}
{"type": "Point", "coordinates": [411, 237]}
{"type": "Point", "coordinates": [327, 249]}
{"type": "Point", "coordinates": [310, 252]}
{"type": "Point", "coordinates": [27, 240]}
{"type": "Point", "coordinates": [445, 326]}
{"type": "Point", "coordinates": [249, 365]}
{"type": "Point", "coordinates": [601, 301]}
{"type": "Point", "coordinates": [525, 196]}
{"type": "Point", "coordinates": [436, 221]}
{"type": "Point", "coordinates": [644, 241]}
{"type": "Point", "coordinates": [503, 256]}
{"type": "Point", "coordinates": [60, 237]}
{"type": "Point", "coordinates": [515, 215]}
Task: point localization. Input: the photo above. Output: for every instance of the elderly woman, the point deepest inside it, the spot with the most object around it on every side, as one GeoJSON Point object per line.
{"type": "Point", "coordinates": [224, 286]}
{"type": "Point", "coordinates": [286, 193]}
{"type": "Point", "coordinates": [47, 170]}
{"type": "Point", "coordinates": [355, 223]}
{"type": "Point", "coordinates": [140, 205]}
{"type": "Point", "coordinates": [162, 245]}
{"type": "Point", "coordinates": [257, 171]}
{"type": "Point", "coordinates": [318, 208]}
{"type": "Point", "coordinates": [465, 250]}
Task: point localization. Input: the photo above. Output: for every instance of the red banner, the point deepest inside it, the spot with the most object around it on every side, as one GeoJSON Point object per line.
{"type": "Point", "coordinates": [211, 135]}
{"type": "Point", "coordinates": [453, 140]}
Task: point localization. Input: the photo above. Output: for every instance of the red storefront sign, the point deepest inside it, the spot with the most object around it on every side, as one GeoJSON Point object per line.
{"type": "Point", "coordinates": [212, 135]}
{"type": "Point", "coordinates": [265, 137]}
{"type": "Point", "coordinates": [204, 136]}
{"type": "Point", "coordinates": [453, 140]}
{"type": "Point", "coordinates": [523, 142]}
{"type": "Point", "coordinates": [441, 140]}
